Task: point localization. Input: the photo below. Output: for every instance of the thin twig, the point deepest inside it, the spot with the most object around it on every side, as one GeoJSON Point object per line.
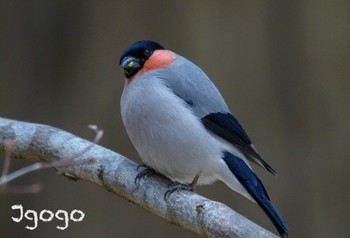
{"type": "Point", "coordinates": [41, 165]}
{"type": "Point", "coordinates": [19, 189]}
{"type": "Point", "coordinates": [99, 133]}
{"type": "Point", "coordinates": [8, 148]}
{"type": "Point", "coordinates": [6, 178]}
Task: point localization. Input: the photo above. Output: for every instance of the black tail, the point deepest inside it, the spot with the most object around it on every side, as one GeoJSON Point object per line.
{"type": "Point", "coordinates": [272, 213]}
{"type": "Point", "coordinates": [256, 189]}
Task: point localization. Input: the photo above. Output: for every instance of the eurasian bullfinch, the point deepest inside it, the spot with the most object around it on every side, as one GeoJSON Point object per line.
{"type": "Point", "coordinates": [182, 128]}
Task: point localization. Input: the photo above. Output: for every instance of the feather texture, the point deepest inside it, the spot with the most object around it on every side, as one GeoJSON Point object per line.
{"type": "Point", "coordinates": [256, 189]}
{"type": "Point", "coordinates": [227, 126]}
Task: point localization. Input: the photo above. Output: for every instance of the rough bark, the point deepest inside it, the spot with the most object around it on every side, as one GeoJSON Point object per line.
{"type": "Point", "coordinates": [117, 174]}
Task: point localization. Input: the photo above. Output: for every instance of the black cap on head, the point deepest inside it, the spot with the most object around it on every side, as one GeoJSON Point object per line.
{"type": "Point", "coordinates": [141, 49]}
{"type": "Point", "coordinates": [133, 58]}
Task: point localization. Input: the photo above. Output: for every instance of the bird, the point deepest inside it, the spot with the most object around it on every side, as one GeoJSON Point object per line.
{"type": "Point", "coordinates": [182, 128]}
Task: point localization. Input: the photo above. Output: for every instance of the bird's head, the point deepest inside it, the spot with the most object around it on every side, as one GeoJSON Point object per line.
{"type": "Point", "coordinates": [135, 56]}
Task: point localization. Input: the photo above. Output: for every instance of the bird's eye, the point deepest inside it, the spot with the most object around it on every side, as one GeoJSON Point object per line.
{"type": "Point", "coordinates": [130, 64]}
{"type": "Point", "coordinates": [148, 52]}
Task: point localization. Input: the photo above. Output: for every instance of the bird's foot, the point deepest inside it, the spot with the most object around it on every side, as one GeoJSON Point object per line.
{"type": "Point", "coordinates": [176, 186]}
{"type": "Point", "coordinates": [146, 172]}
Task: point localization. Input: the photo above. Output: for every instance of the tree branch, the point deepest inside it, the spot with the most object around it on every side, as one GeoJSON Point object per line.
{"type": "Point", "coordinates": [116, 174]}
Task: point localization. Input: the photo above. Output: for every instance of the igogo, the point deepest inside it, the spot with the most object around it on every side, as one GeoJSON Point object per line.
{"type": "Point", "coordinates": [47, 216]}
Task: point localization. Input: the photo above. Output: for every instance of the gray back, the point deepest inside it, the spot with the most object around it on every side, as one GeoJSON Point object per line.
{"type": "Point", "coordinates": [191, 84]}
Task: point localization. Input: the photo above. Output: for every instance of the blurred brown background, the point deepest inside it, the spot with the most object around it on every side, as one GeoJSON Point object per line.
{"type": "Point", "coordinates": [283, 68]}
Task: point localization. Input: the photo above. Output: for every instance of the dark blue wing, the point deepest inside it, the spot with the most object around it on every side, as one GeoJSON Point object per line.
{"type": "Point", "coordinates": [256, 189]}
{"type": "Point", "coordinates": [227, 126]}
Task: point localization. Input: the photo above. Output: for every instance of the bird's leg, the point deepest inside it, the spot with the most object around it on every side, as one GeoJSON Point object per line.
{"type": "Point", "coordinates": [147, 171]}
{"type": "Point", "coordinates": [175, 186]}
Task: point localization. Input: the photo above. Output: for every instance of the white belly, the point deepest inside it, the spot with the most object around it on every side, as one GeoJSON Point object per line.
{"type": "Point", "coordinates": [166, 134]}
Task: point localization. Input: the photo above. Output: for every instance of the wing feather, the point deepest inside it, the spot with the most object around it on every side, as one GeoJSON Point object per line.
{"type": "Point", "coordinates": [227, 126]}
{"type": "Point", "coordinates": [192, 85]}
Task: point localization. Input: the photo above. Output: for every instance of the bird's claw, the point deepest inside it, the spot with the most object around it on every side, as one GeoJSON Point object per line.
{"type": "Point", "coordinates": [147, 171]}
{"type": "Point", "coordinates": [176, 186]}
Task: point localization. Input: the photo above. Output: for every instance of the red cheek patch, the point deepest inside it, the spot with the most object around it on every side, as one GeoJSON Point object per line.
{"type": "Point", "coordinates": [160, 59]}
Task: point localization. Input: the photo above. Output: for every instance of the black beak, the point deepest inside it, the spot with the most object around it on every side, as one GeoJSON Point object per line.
{"type": "Point", "coordinates": [130, 65]}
